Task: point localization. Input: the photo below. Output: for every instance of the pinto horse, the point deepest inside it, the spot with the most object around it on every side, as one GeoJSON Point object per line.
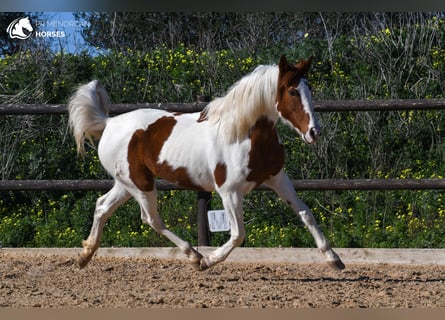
{"type": "Point", "coordinates": [230, 147]}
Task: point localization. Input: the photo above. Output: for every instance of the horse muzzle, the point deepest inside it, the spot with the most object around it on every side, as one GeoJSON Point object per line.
{"type": "Point", "coordinates": [311, 136]}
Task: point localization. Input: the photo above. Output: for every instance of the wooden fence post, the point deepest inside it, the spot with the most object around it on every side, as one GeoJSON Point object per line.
{"type": "Point", "coordinates": [204, 199]}
{"type": "Point", "coordinates": [204, 235]}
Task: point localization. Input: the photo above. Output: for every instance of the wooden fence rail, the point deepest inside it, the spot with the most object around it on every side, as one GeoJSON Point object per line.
{"type": "Point", "coordinates": [320, 106]}
{"type": "Point", "coordinates": [312, 184]}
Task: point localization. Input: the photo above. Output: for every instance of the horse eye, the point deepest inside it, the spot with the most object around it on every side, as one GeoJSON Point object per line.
{"type": "Point", "coordinates": [293, 92]}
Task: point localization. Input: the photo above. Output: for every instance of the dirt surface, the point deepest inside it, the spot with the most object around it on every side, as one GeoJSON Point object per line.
{"type": "Point", "coordinates": [56, 281]}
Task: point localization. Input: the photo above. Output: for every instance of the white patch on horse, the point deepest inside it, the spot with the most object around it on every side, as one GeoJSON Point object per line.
{"type": "Point", "coordinates": [306, 99]}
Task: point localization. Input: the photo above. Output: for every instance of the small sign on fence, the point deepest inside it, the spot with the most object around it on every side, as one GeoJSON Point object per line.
{"type": "Point", "coordinates": [218, 221]}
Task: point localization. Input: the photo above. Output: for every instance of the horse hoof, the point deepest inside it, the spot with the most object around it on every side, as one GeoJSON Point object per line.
{"type": "Point", "coordinates": [195, 258]}
{"type": "Point", "coordinates": [204, 265]}
{"type": "Point", "coordinates": [196, 266]}
{"type": "Point", "coordinates": [200, 265]}
{"type": "Point", "coordinates": [82, 261]}
{"type": "Point", "coordinates": [84, 258]}
{"type": "Point", "coordinates": [336, 264]}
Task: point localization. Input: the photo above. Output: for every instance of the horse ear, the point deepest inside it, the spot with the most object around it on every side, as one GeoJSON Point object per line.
{"type": "Point", "coordinates": [284, 65]}
{"type": "Point", "coordinates": [305, 65]}
{"type": "Point", "coordinates": [310, 59]}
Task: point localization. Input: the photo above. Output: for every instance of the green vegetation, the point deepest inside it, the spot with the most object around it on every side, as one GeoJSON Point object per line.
{"type": "Point", "coordinates": [403, 62]}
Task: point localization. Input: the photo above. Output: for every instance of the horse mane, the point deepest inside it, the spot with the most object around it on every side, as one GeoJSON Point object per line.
{"type": "Point", "coordinates": [249, 98]}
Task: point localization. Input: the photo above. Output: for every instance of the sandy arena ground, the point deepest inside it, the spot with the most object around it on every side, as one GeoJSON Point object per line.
{"type": "Point", "coordinates": [55, 281]}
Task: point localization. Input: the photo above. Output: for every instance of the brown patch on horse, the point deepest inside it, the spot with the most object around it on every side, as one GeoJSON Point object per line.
{"type": "Point", "coordinates": [141, 176]}
{"type": "Point", "coordinates": [178, 176]}
{"type": "Point", "coordinates": [266, 156]}
{"type": "Point", "coordinates": [143, 156]}
{"type": "Point", "coordinates": [220, 174]}
{"type": "Point", "coordinates": [296, 115]}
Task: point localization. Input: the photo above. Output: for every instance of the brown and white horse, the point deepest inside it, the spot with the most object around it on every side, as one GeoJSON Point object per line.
{"type": "Point", "coordinates": [231, 147]}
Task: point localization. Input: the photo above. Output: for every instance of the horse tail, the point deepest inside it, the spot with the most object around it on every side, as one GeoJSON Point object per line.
{"type": "Point", "coordinates": [88, 110]}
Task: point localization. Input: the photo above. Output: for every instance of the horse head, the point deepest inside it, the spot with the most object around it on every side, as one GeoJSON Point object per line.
{"type": "Point", "coordinates": [294, 99]}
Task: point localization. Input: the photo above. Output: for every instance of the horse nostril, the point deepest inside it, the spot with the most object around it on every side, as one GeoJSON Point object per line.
{"type": "Point", "coordinates": [313, 133]}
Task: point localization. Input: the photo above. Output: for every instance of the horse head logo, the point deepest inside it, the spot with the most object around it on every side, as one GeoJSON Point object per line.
{"type": "Point", "coordinates": [20, 28]}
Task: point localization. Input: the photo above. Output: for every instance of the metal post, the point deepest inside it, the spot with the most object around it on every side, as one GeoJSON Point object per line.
{"type": "Point", "coordinates": [204, 199]}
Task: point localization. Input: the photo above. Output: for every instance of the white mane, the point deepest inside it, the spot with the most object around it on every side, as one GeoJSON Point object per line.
{"type": "Point", "coordinates": [249, 98]}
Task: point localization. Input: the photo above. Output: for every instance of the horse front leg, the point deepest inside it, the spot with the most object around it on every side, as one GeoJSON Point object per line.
{"type": "Point", "coordinates": [232, 203]}
{"type": "Point", "coordinates": [282, 185]}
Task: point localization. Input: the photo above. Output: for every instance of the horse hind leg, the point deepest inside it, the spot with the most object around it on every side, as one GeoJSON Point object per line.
{"type": "Point", "coordinates": [105, 206]}
{"type": "Point", "coordinates": [150, 216]}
